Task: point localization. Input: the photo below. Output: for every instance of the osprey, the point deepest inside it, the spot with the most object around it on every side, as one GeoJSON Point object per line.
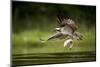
{"type": "Point", "coordinates": [67, 28]}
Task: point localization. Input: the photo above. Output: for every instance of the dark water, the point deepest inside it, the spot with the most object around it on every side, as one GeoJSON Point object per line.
{"type": "Point", "coordinates": [52, 58]}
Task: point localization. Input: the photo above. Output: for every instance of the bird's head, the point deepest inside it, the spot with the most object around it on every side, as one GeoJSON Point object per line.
{"type": "Point", "coordinates": [57, 29]}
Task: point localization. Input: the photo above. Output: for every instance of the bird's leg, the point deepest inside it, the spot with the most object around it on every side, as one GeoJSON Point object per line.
{"type": "Point", "coordinates": [77, 36]}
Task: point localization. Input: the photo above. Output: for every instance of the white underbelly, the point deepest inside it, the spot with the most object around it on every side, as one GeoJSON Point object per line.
{"type": "Point", "coordinates": [66, 30]}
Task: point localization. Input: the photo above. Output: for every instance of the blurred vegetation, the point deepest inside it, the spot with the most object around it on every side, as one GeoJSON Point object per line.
{"type": "Point", "coordinates": [30, 21]}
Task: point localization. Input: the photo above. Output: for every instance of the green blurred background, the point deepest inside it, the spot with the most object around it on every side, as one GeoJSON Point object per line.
{"type": "Point", "coordinates": [31, 20]}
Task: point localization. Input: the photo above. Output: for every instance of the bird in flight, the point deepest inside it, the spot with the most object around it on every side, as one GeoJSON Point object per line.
{"type": "Point", "coordinates": [67, 28]}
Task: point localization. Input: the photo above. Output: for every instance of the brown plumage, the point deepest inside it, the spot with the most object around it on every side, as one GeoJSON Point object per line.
{"type": "Point", "coordinates": [67, 28]}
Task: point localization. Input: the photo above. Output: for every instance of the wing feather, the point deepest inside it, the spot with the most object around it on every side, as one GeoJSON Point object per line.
{"type": "Point", "coordinates": [56, 35]}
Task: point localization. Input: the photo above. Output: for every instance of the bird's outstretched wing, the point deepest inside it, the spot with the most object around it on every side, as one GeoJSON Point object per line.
{"type": "Point", "coordinates": [65, 21]}
{"type": "Point", "coordinates": [56, 35]}
{"type": "Point", "coordinates": [70, 23]}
